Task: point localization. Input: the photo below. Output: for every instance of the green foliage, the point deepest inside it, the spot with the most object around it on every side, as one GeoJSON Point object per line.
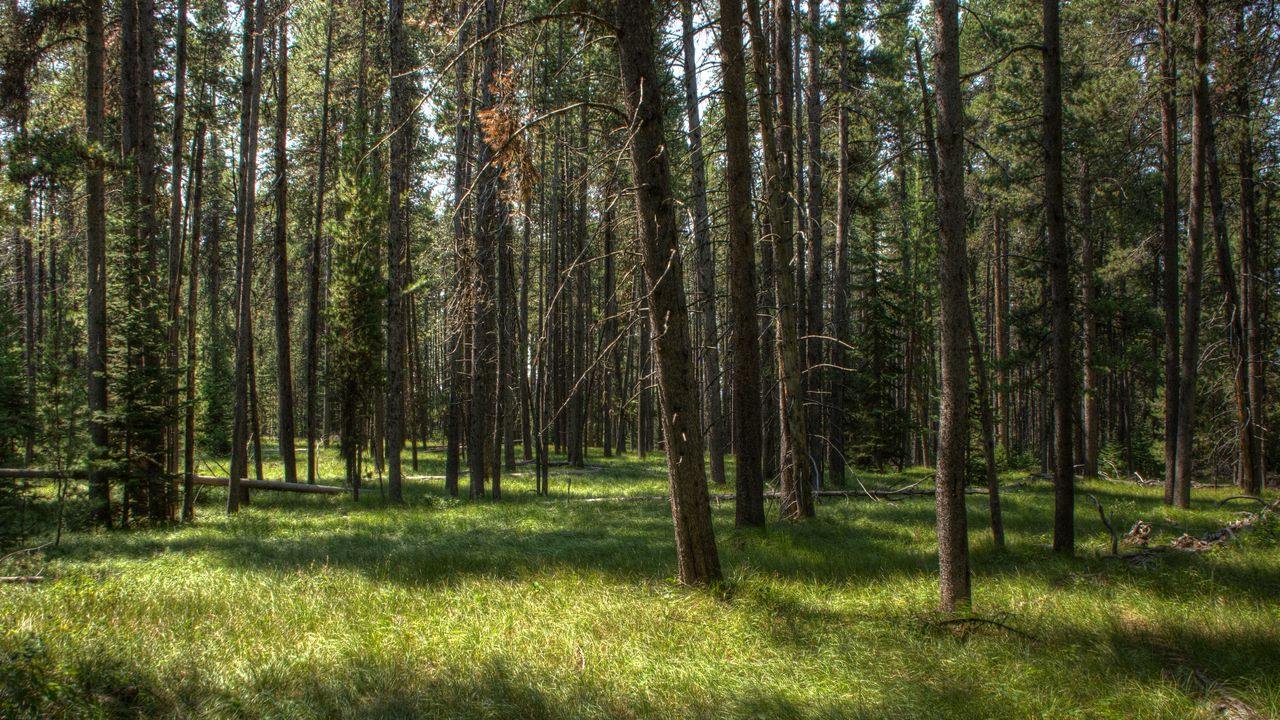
{"type": "Point", "coordinates": [357, 296]}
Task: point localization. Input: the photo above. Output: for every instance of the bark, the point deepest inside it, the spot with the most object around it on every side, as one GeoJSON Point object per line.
{"type": "Point", "coordinates": [953, 541]}
{"type": "Point", "coordinates": [777, 139]}
{"type": "Point", "coordinates": [1169, 237]}
{"type": "Point", "coordinates": [402, 142]}
{"type": "Point", "coordinates": [284, 370]}
{"type": "Point", "coordinates": [745, 356]}
{"type": "Point", "coordinates": [313, 292]}
{"type": "Point", "coordinates": [1233, 312]}
{"type": "Point", "coordinates": [709, 352]}
{"type": "Point", "coordinates": [1092, 382]}
{"type": "Point", "coordinates": [840, 290]}
{"type": "Point", "coordinates": [251, 70]}
{"type": "Point", "coordinates": [988, 434]}
{"type": "Point", "coordinates": [1251, 289]}
{"type": "Point", "coordinates": [96, 259]}
{"type": "Point", "coordinates": [815, 374]}
{"type": "Point", "coordinates": [453, 420]}
{"type": "Point", "coordinates": [1060, 283]}
{"type": "Point", "coordinates": [1201, 135]}
{"type": "Point", "coordinates": [175, 229]}
{"type": "Point", "coordinates": [193, 287]}
{"type": "Point", "coordinates": [696, 553]}
{"type": "Point", "coordinates": [490, 223]}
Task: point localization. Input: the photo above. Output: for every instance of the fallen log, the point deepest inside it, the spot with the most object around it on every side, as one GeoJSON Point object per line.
{"type": "Point", "coordinates": [41, 474]}
{"type": "Point", "coordinates": [22, 579]}
{"type": "Point", "coordinates": [272, 485]}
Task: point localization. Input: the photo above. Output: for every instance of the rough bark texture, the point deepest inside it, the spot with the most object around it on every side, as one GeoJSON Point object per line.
{"type": "Point", "coordinates": [745, 356]}
{"type": "Point", "coordinates": [96, 258]}
{"type": "Point", "coordinates": [696, 553]}
{"type": "Point", "coordinates": [1169, 237]}
{"type": "Point", "coordinates": [250, 79]}
{"type": "Point", "coordinates": [815, 373]}
{"type": "Point", "coordinates": [1093, 390]}
{"type": "Point", "coordinates": [313, 290]}
{"type": "Point", "coordinates": [709, 352]}
{"type": "Point", "coordinates": [1195, 261]}
{"type": "Point", "coordinates": [402, 129]}
{"type": "Point", "coordinates": [284, 367]}
{"type": "Point", "coordinates": [1060, 288]}
{"type": "Point", "coordinates": [953, 540]}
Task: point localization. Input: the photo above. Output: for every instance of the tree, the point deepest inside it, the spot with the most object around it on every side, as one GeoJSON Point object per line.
{"type": "Point", "coordinates": [696, 553]}
{"type": "Point", "coordinates": [1060, 281]}
{"type": "Point", "coordinates": [96, 259]}
{"type": "Point", "coordinates": [402, 129]}
{"type": "Point", "coordinates": [953, 541]}
{"type": "Point", "coordinates": [284, 368]}
{"type": "Point", "coordinates": [745, 355]}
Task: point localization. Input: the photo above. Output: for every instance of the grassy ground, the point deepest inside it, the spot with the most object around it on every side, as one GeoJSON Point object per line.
{"type": "Point", "coordinates": [311, 606]}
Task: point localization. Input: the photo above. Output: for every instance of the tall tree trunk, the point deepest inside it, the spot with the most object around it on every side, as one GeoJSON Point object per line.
{"type": "Point", "coordinates": [402, 142]}
{"type": "Point", "coordinates": [953, 540]}
{"type": "Point", "coordinates": [313, 293]}
{"type": "Point", "coordinates": [250, 84]}
{"type": "Point", "coordinates": [461, 144]}
{"type": "Point", "coordinates": [815, 374]}
{"type": "Point", "coordinates": [745, 355]}
{"type": "Point", "coordinates": [709, 352]}
{"type": "Point", "coordinates": [836, 425]}
{"type": "Point", "coordinates": [175, 232]}
{"type": "Point", "coordinates": [776, 136]}
{"type": "Point", "coordinates": [96, 260]}
{"type": "Point", "coordinates": [489, 226]}
{"type": "Point", "coordinates": [1201, 136]}
{"type": "Point", "coordinates": [988, 434]}
{"type": "Point", "coordinates": [193, 287]}
{"type": "Point", "coordinates": [696, 553]}
{"type": "Point", "coordinates": [1060, 282]}
{"type": "Point", "coordinates": [1232, 311]}
{"type": "Point", "coordinates": [1092, 383]}
{"type": "Point", "coordinates": [1251, 289]}
{"type": "Point", "coordinates": [1169, 236]}
{"type": "Point", "coordinates": [284, 369]}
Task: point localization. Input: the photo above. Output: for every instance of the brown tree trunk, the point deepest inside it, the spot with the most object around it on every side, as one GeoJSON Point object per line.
{"type": "Point", "coordinates": [1169, 237]}
{"type": "Point", "coordinates": [953, 539]}
{"type": "Point", "coordinates": [313, 294]}
{"type": "Point", "coordinates": [284, 369]}
{"type": "Point", "coordinates": [777, 137]}
{"type": "Point", "coordinates": [175, 232]}
{"type": "Point", "coordinates": [1201, 135]}
{"type": "Point", "coordinates": [1060, 283]}
{"type": "Point", "coordinates": [1251, 289]}
{"type": "Point", "coordinates": [193, 270]}
{"type": "Point", "coordinates": [696, 553]}
{"type": "Point", "coordinates": [709, 352]}
{"type": "Point", "coordinates": [1092, 383]}
{"type": "Point", "coordinates": [815, 374]}
{"type": "Point", "coordinates": [96, 259]}
{"type": "Point", "coordinates": [745, 356]}
{"type": "Point", "coordinates": [250, 83]}
{"type": "Point", "coordinates": [402, 142]}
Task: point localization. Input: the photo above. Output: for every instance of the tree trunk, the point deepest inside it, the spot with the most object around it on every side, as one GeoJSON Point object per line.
{"type": "Point", "coordinates": [1169, 237]}
{"type": "Point", "coordinates": [96, 259]}
{"type": "Point", "coordinates": [193, 269]}
{"type": "Point", "coordinates": [815, 374]}
{"type": "Point", "coordinates": [175, 232]}
{"type": "Point", "coordinates": [313, 294]}
{"type": "Point", "coordinates": [1060, 282]}
{"type": "Point", "coordinates": [402, 142]}
{"type": "Point", "coordinates": [696, 553]}
{"type": "Point", "coordinates": [1251, 291]}
{"type": "Point", "coordinates": [745, 356]}
{"type": "Point", "coordinates": [284, 370]}
{"type": "Point", "coordinates": [250, 83]}
{"type": "Point", "coordinates": [1092, 383]}
{"type": "Point", "coordinates": [709, 351]}
{"type": "Point", "coordinates": [1201, 135]}
{"type": "Point", "coordinates": [953, 540]}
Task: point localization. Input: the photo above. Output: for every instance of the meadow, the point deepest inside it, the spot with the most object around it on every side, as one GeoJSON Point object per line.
{"type": "Point", "coordinates": [566, 607]}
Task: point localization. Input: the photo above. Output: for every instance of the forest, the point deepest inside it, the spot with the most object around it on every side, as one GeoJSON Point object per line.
{"type": "Point", "coordinates": [639, 358]}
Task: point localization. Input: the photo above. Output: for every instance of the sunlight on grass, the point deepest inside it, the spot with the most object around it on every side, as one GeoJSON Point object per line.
{"type": "Point", "coordinates": [307, 606]}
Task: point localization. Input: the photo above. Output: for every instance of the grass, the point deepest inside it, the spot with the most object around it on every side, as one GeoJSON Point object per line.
{"type": "Point", "coordinates": [315, 607]}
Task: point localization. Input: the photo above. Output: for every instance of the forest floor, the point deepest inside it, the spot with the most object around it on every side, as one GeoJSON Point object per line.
{"type": "Point", "coordinates": [316, 607]}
